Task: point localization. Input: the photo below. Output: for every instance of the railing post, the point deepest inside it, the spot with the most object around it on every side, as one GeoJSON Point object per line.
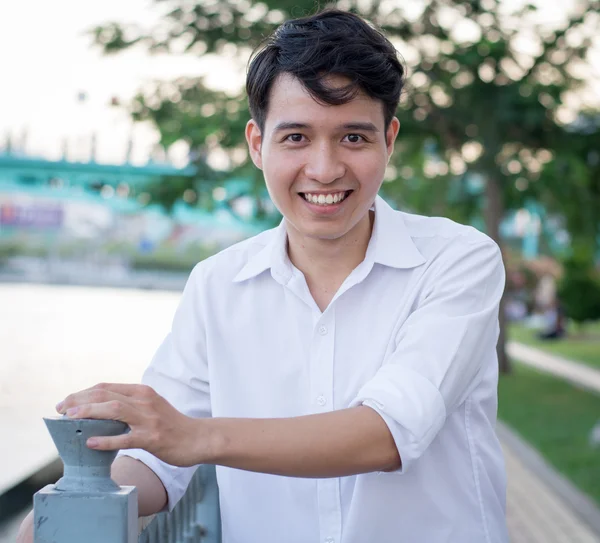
{"type": "Point", "coordinates": [208, 514]}
{"type": "Point", "coordinates": [85, 505]}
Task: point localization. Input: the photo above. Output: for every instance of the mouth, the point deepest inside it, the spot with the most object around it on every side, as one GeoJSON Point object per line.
{"type": "Point", "coordinates": [329, 199]}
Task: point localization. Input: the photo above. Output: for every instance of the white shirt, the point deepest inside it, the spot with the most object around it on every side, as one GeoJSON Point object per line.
{"type": "Point", "coordinates": [411, 333]}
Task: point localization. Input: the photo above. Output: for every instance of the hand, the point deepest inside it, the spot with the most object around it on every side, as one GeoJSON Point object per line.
{"type": "Point", "coordinates": [155, 425]}
{"type": "Point", "coordinates": [25, 534]}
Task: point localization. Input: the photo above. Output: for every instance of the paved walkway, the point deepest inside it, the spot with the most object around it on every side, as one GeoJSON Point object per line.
{"type": "Point", "coordinates": [535, 512]}
{"type": "Point", "coordinates": [575, 372]}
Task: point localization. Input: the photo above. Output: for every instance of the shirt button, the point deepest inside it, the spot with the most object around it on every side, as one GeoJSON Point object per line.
{"type": "Point", "coordinates": [329, 540]}
{"type": "Point", "coordinates": [323, 330]}
{"type": "Point", "coordinates": [321, 400]}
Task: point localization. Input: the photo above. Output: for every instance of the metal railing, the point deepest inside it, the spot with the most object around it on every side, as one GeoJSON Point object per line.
{"type": "Point", "coordinates": [194, 519]}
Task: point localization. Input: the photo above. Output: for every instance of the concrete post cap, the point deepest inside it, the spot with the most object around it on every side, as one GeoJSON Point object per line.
{"type": "Point", "coordinates": [85, 469]}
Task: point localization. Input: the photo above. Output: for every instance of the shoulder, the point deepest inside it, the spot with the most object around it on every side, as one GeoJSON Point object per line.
{"type": "Point", "coordinates": [458, 258]}
{"type": "Point", "coordinates": [226, 264]}
{"type": "Point", "coordinates": [423, 229]}
{"type": "Point", "coordinates": [440, 237]}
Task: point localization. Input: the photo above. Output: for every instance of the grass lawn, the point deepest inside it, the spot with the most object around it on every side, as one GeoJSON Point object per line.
{"type": "Point", "coordinates": [556, 418]}
{"type": "Point", "coordinates": [584, 349]}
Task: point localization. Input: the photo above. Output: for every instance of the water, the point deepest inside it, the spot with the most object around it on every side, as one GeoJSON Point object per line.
{"type": "Point", "coordinates": [55, 340]}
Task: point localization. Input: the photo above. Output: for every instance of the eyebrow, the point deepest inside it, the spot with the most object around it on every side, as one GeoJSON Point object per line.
{"type": "Point", "coordinates": [364, 127]}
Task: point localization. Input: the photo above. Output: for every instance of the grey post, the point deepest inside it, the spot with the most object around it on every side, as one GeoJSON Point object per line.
{"type": "Point", "coordinates": [85, 505]}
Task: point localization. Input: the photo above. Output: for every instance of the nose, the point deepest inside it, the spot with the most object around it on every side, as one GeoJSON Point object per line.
{"type": "Point", "coordinates": [324, 165]}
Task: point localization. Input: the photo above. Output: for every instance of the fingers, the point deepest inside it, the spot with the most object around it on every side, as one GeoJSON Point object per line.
{"type": "Point", "coordinates": [112, 443]}
{"type": "Point", "coordinates": [133, 391]}
{"type": "Point", "coordinates": [130, 404]}
{"type": "Point", "coordinates": [113, 410]}
{"type": "Point", "coordinates": [105, 392]}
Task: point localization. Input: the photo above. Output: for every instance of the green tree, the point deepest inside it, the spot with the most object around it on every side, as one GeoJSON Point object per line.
{"type": "Point", "coordinates": [574, 176]}
{"type": "Point", "coordinates": [484, 110]}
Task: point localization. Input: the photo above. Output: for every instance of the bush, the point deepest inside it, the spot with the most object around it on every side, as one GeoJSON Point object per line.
{"type": "Point", "coordinates": [579, 289]}
{"type": "Point", "coordinates": [169, 259]}
{"type": "Point", "coordinates": [7, 250]}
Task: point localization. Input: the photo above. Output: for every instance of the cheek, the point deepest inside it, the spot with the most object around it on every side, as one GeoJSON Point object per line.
{"type": "Point", "coordinates": [280, 172]}
{"type": "Point", "coordinates": [370, 170]}
{"type": "Point", "coordinates": [279, 180]}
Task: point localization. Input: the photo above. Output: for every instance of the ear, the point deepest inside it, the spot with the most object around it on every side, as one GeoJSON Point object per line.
{"type": "Point", "coordinates": [391, 134]}
{"type": "Point", "coordinates": [254, 139]}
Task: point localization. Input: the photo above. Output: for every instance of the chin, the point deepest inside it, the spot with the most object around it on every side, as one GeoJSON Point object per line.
{"type": "Point", "coordinates": [325, 234]}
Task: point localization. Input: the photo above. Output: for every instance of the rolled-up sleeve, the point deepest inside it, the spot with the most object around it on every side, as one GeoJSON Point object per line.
{"type": "Point", "coordinates": [179, 373]}
{"type": "Point", "coordinates": [441, 348]}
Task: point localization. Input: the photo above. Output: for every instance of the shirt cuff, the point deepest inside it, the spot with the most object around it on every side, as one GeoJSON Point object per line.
{"type": "Point", "coordinates": [175, 479]}
{"type": "Point", "coordinates": [411, 406]}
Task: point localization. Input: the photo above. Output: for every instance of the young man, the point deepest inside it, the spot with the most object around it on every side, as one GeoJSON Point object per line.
{"type": "Point", "coordinates": [340, 370]}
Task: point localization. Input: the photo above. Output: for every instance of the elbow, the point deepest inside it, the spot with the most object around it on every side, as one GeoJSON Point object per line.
{"type": "Point", "coordinates": [393, 460]}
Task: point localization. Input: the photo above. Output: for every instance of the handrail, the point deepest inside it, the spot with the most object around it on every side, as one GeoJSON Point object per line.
{"type": "Point", "coordinates": [194, 519]}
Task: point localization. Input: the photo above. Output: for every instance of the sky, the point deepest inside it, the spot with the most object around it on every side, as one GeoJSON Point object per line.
{"type": "Point", "coordinates": [46, 61]}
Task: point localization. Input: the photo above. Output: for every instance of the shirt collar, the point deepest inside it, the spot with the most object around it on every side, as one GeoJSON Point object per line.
{"type": "Point", "coordinates": [273, 255]}
{"type": "Point", "coordinates": [390, 245]}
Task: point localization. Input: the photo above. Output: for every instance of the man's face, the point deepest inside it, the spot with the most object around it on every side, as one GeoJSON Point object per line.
{"type": "Point", "coordinates": [323, 165]}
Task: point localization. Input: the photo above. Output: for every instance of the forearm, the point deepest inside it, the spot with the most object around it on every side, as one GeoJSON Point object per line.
{"type": "Point", "coordinates": [336, 444]}
{"type": "Point", "coordinates": [152, 496]}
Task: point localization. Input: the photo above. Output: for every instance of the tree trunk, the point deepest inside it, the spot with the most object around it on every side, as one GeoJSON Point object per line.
{"type": "Point", "coordinates": [493, 214]}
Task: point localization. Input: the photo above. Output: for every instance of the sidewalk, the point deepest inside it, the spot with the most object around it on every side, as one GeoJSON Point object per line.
{"type": "Point", "coordinates": [575, 372]}
{"type": "Point", "coordinates": [535, 512]}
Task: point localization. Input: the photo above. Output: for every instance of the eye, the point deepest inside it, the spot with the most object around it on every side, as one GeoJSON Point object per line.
{"type": "Point", "coordinates": [355, 138]}
{"type": "Point", "coordinates": [295, 138]}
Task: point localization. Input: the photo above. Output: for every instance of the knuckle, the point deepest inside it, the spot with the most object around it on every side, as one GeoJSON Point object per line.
{"type": "Point", "coordinates": [115, 407]}
{"type": "Point", "coordinates": [146, 392]}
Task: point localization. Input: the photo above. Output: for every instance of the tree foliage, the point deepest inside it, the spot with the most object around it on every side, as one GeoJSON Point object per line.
{"type": "Point", "coordinates": [485, 121]}
{"type": "Point", "coordinates": [484, 90]}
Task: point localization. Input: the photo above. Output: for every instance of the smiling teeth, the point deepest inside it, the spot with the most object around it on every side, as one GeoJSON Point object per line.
{"type": "Point", "coordinates": [322, 199]}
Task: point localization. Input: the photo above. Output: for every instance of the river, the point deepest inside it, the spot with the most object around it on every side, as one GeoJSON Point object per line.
{"type": "Point", "coordinates": [58, 339]}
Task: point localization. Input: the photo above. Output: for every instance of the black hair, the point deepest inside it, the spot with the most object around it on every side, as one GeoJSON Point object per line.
{"type": "Point", "coordinates": [331, 42]}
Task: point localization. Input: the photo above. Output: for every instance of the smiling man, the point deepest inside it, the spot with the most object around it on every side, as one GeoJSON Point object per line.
{"type": "Point", "coordinates": [340, 370]}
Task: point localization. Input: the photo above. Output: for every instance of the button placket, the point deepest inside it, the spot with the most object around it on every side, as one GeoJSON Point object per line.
{"type": "Point", "coordinates": [323, 364]}
{"type": "Point", "coordinates": [328, 489]}
{"type": "Point", "coordinates": [330, 514]}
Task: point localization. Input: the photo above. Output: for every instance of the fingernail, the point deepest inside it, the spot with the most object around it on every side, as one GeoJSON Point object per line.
{"type": "Point", "coordinates": [92, 442]}
{"type": "Point", "coordinates": [72, 411]}
{"type": "Point", "coordinates": [59, 406]}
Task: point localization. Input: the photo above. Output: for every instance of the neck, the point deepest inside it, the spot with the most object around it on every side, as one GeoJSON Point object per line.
{"type": "Point", "coordinates": [330, 261]}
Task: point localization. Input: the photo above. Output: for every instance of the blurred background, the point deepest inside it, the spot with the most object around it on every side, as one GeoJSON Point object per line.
{"type": "Point", "coordinates": [123, 163]}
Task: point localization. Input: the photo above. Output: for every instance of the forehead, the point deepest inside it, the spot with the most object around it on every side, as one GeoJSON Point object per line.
{"type": "Point", "coordinates": [289, 100]}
